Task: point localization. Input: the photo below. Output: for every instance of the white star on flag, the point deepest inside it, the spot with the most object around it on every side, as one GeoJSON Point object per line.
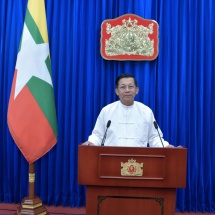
{"type": "Point", "coordinates": [31, 61]}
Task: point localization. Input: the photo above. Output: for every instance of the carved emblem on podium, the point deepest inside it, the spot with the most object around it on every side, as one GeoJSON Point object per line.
{"type": "Point", "coordinates": [131, 168]}
{"type": "Point", "coordinates": [129, 37]}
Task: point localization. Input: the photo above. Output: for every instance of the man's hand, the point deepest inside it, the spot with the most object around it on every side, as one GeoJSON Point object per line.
{"type": "Point", "coordinates": [87, 143]}
{"type": "Point", "coordinates": [170, 146]}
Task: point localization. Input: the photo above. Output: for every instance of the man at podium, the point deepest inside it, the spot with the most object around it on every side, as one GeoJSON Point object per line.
{"type": "Point", "coordinates": [126, 122]}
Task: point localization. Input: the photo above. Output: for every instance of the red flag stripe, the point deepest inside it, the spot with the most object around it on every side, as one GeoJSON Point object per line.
{"type": "Point", "coordinates": [20, 110]}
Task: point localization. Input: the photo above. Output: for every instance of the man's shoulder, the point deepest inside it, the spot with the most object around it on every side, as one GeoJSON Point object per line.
{"type": "Point", "coordinates": [145, 113]}
{"type": "Point", "coordinates": [141, 105]}
{"type": "Point", "coordinates": [111, 105]}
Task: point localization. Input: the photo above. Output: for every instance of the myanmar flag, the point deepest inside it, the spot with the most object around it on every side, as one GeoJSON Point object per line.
{"type": "Point", "coordinates": [31, 112]}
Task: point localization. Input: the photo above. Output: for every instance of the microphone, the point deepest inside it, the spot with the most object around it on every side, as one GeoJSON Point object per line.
{"type": "Point", "coordinates": [156, 127]}
{"type": "Point", "coordinates": [103, 140]}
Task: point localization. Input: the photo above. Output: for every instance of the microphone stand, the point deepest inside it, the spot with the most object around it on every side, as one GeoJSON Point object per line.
{"type": "Point", "coordinates": [156, 127]}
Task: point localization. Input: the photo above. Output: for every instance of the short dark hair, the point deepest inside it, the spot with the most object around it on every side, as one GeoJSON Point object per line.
{"type": "Point", "coordinates": [125, 75]}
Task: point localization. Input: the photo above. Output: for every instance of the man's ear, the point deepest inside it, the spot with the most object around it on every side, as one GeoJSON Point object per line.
{"type": "Point", "coordinates": [137, 90]}
{"type": "Point", "coordinates": [116, 91]}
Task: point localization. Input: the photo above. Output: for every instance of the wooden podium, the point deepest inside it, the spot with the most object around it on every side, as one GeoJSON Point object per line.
{"type": "Point", "coordinates": [131, 180]}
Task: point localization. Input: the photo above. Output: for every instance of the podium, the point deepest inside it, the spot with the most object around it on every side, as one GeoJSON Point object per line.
{"type": "Point", "coordinates": [131, 180]}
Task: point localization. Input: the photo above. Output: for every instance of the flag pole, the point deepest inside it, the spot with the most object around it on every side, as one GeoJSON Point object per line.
{"type": "Point", "coordinates": [37, 133]}
{"type": "Point", "coordinates": [31, 180]}
{"type": "Point", "coordinates": [31, 204]}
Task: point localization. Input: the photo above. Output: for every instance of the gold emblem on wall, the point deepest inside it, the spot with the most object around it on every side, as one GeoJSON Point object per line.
{"type": "Point", "coordinates": [131, 168]}
{"type": "Point", "coordinates": [129, 37]}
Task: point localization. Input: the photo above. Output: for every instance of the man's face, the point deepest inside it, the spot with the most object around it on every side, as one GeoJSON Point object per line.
{"type": "Point", "coordinates": [126, 91]}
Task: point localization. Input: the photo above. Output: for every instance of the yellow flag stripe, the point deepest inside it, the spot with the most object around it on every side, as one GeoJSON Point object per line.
{"type": "Point", "coordinates": [40, 18]}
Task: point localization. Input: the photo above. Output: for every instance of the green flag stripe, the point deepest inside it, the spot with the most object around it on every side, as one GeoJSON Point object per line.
{"type": "Point", "coordinates": [43, 93]}
{"type": "Point", "coordinates": [48, 64]}
{"type": "Point", "coordinates": [33, 28]}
